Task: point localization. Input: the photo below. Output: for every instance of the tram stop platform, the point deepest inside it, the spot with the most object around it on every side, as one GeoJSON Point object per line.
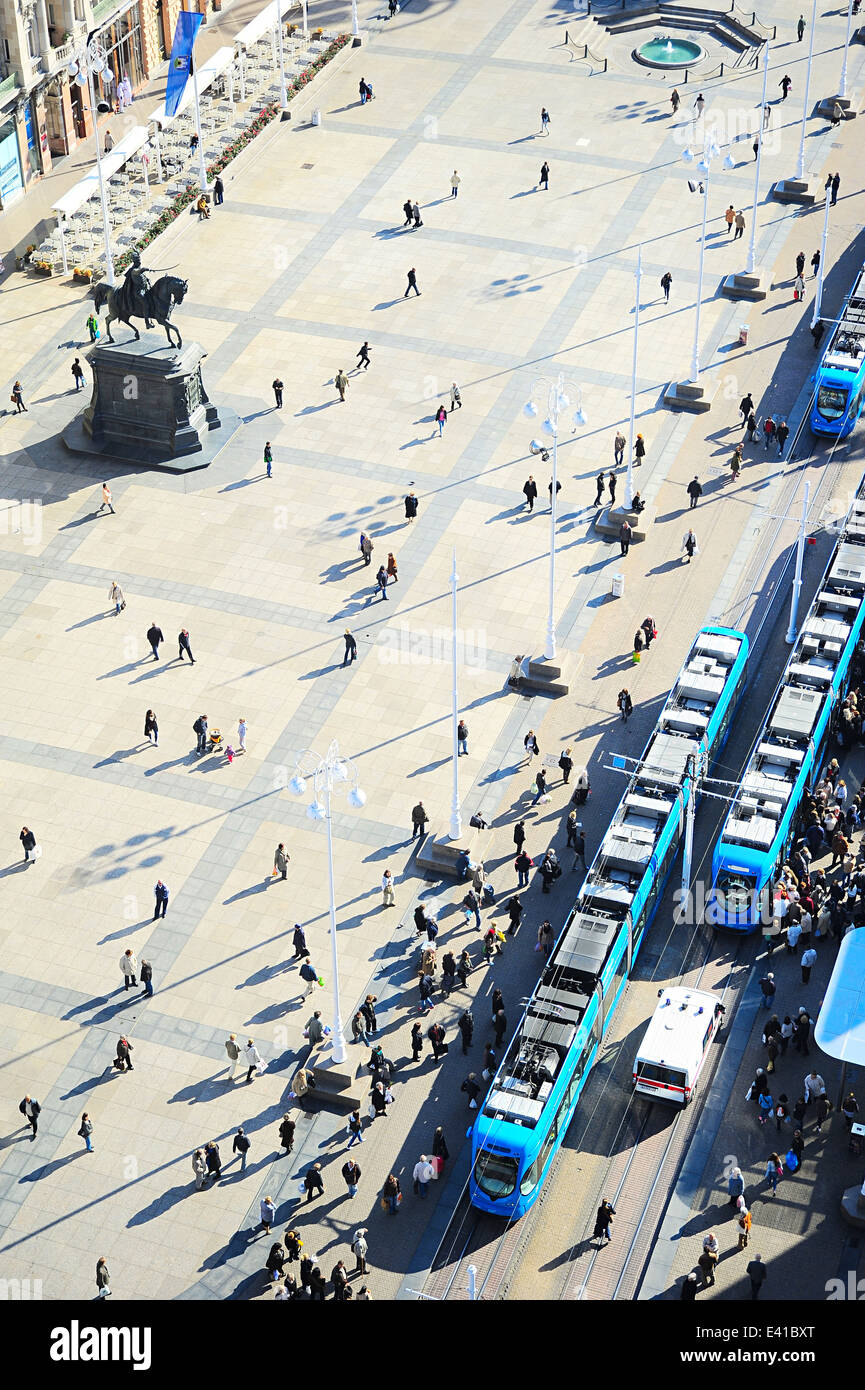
{"type": "Point", "coordinates": [811, 1252]}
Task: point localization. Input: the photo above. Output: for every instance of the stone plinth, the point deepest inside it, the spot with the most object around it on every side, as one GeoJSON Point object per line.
{"type": "Point", "coordinates": [688, 395]}
{"type": "Point", "coordinates": [827, 106]}
{"type": "Point", "coordinates": [150, 406]}
{"type": "Point", "coordinates": [549, 677]}
{"type": "Point", "coordinates": [337, 1085]}
{"type": "Point", "coordinates": [439, 853]}
{"type": "Point", "coordinates": [609, 522]}
{"type": "Point", "coordinates": [744, 284]}
{"type": "Point", "coordinates": [793, 191]}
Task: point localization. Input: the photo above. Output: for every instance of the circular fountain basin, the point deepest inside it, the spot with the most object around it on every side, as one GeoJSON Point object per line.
{"type": "Point", "coordinates": [666, 52]}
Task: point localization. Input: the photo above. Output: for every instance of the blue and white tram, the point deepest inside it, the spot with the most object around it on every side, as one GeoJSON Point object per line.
{"type": "Point", "coordinates": [839, 391]}
{"type": "Point", "coordinates": [787, 754]}
{"type": "Point", "coordinates": [534, 1093]}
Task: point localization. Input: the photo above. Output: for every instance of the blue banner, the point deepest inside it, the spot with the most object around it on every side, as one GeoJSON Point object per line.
{"type": "Point", "coordinates": [180, 63]}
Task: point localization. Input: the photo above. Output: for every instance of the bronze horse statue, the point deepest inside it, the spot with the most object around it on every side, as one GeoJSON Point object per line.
{"type": "Point", "coordinates": [121, 302]}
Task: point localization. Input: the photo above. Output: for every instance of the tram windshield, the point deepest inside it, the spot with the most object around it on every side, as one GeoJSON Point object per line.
{"type": "Point", "coordinates": [831, 402]}
{"type": "Point", "coordinates": [734, 897]}
{"type": "Point", "coordinates": [495, 1174]}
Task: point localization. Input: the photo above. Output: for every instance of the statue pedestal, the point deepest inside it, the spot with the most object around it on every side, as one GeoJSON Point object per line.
{"type": "Point", "coordinates": [149, 406]}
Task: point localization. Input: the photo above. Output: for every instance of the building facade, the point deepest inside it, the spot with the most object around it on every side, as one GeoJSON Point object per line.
{"type": "Point", "coordinates": [44, 112]}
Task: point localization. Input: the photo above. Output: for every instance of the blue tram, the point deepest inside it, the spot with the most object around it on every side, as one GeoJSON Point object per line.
{"type": "Point", "coordinates": [787, 754]}
{"type": "Point", "coordinates": [532, 1098]}
{"type": "Point", "coordinates": [839, 392]}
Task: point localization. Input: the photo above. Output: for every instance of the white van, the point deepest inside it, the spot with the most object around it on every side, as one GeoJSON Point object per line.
{"type": "Point", "coordinates": [676, 1043]}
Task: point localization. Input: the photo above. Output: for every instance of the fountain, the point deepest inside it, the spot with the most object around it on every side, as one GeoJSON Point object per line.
{"type": "Point", "coordinates": [666, 52]}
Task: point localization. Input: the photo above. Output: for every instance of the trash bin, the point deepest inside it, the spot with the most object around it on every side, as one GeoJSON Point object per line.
{"type": "Point", "coordinates": [316, 116]}
{"type": "Point", "coordinates": [743, 334]}
{"type": "Point", "coordinates": [618, 585]}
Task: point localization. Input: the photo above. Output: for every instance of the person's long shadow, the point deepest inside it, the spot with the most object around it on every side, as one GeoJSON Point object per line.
{"type": "Point", "coordinates": [81, 520]}
{"type": "Point", "coordinates": [47, 1169]}
{"type": "Point", "coordinates": [160, 1205]}
{"type": "Point", "coordinates": [124, 931]}
{"type": "Point", "coordinates": [188, 760]}
{"type": "Point", "coordinates": [85, 1087]}
{"type": "Point", "coordinates": [86, 622]}
{"type": "Point", "coordinates": [389, 303]}
{"type": "Point", "coordinates": [251, 891]}
{"type": "Point", "coordinates": [201, 1091]}
{"type": "Point", "coordinates": [121, 670]}
{"type": "Point", "coordinates": [14, 868]}
{"type": "Point", "coordinates": [120, 755]}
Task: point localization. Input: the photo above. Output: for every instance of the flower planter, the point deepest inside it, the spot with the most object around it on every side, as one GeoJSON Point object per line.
{"type": "Point", "coordinates": [83, 273]}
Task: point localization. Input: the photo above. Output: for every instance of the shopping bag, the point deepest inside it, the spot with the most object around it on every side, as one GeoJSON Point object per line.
{"type": "Point", "coordinates": [261, 1068]}
{"type": "Point", "coordinates": [473, 1105]}
{"type": "Point", "coordinates": [37, 851]}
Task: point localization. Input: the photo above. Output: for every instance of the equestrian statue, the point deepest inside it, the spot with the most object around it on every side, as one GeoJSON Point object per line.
{"type": "Point", "coordinates": [137, 298]}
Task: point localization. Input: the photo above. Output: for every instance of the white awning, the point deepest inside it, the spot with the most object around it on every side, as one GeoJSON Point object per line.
{"type": "Point", "coordinates": [88, 187]}
{"type": "Point", "coordinates": [840, 1027]}
{"type": "Point", "coordinates": [207, 75]}
{"type": "Point", "coordinates": [264, 22]}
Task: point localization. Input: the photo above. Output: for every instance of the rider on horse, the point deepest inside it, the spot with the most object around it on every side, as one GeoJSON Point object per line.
{"type": "Point", "coordinates": [138, 284]}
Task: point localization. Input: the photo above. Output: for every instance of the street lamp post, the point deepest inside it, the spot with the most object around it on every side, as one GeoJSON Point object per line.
{"type": "Point", "coordinates": [800, 166]}
{"type": "Point", "coordinates": [710, 152]}
{"type": "Point", "coordinates": [797, 581]}
{"type": "Point", "coordinates": [354, 24]}
{"type": "Point", "coordinates": [629, 476]}
{"type": "Point", "coordinates": [283, 91]}
{"type": "Point", "coordinates": [456, 826]}
{"type": "Point", "coordinates": [202, 167]}
{"type": "Point", "coordinates": [329, 773]}
{"type": "Point", "coordinates": [557, 404]}
{"type": "Point", "coordinates": [94, 60]}
{"type": "Point", "coordinates": [842, 92]}
{"type": "Point", "coordinates": [818, 298]}
{"type": "Point", "coordinates": [752, 244]}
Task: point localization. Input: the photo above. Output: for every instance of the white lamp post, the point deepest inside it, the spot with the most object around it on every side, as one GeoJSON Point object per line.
{"type": "Point", "coordinates": [752, 244]}
{"type": "Point", "coordinates": [800, 166]}
{"type": "Point", "coordinates": [283, 93]}
{"type": "Point", "coordinates": [709, 153]}
{"type": "Point", "coordinates": [557, 404]}
{"type": "Point", "coordinates": [818, 298]}
{"type": "Point", "coordinates": [305, 21]}
{"type": "Point", "coordinates": [843, 88]}
{"type": "Point", "coordinates": [354, 24]}
{"type": "Point", "coordinates": [797, 581]}
{"type": "Point", "coordinates": [629, 476]}
{"type": "Point", "coordinates": [94, 60]}
{"type": "Point", "coordinates": [202, 167]}
{"type": "Point", "coordinates": [456, 825]}
{"type": "Point", "coordinates": [328, 774]}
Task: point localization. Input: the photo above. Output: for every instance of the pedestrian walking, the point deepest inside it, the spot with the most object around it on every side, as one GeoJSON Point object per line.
{"type": "Point", "coordinates": [363, 358]}
{"type": "Point", "coordinates": [381, 582]}
{"type": "Point", "coordinates": [355, 1129]}
{"type": "Point", "coordinates": [123, 1058]}
{"type": "Point", "coordinates": [31, 1110]}
{"type": "Point", "coordinates": [689, 546]}
{"type": "Point", "coordinates": [199, 1169]}
{"type": "Point", "coordinates": [360, 1250]}
{"type": "Point", "coordinates": [254, 1061]}
{"type": "Point", "coordinates": [419, 820]}
{"type": "Point", "coordinates": [695, 491]}
{"type": "Point", "coordinates": [736, 461]}
{"type": "Point", "coordinates": [675, 101]}
{"type": "Point", "coordinates": [387, 893]}
{"type": "Point", "coordinates": [350, 648]}
{"type": "Point", "coordinates": [436, 1035]}
{"type": "Point", "coordinates": [735, 1187]}
{"type": "Point", "coordinates": [129, 967]}
{"type": "Point", "coordinates": [767, 116]}
{"type": "Point", "coordinates": [800, 28]}
{"type": "Point", "coordinates": [103, 1273]}
{"type": "Point", "coordinates": [785, 84]}
{"type": "Point", "coordinates": [540, 785]}
{"type": "Point", "coordinates": [341, 383]}
{"type": "Point", "coordinates": [807, 962]}
{"type": "Point", "coordinates": [366, 547]}
{"type": "Point", "coordinates": [147, 978]}
{"type": "Point", "coordinates": [415, 212]}
{"type": "Point", "coordinates": [751, 427]}
{"type": "Point", "coordinates": [815, 262]}
{"type": "Point", "coordinates": [501, 1026]}
{"type": "Point", "coordinates": [800, 263]}
{"type": "Point", "coordinates": [278, 388]}
{"type": "Point", "coordinates": [625, 534]}
{"type": "Point", "coordinates": [756, 1271]}
{"type": "Point", "coordinates": [313, 1182]}
{"type": "Point", "coordinates": [604, 1221]}
{"type": "Point", "coordinates": [462, 738]}
{"type": "Point", "coordinates": [92, 325]}
{"type": "Point", "coordinates": [799, 288]}
{"type": "Point", "coordinates": [351, 1174]}
{"type": "Point", "coordinates": [530, 491]}
{"type": "Point", "coordinates": [700, 105]}
{"type": "Point", "coordinates": [566, 763]}
{"type": "Point", "coordinates": [286, 1135]}
{"type": "Point", "coordinates": [29, 845]}
{"type": "Point", "coordinates": [441, 418]}
{"type": "Point", "coordinates": [639, 644]}
{"type": "Point", "coordinates": [625, 704]}
{"type": "Point", "coordinates": [544, 180]}
{"type": "Point", "coordinates": [768, 430]}
{"type": "Point", "coordinates": [160, 895]}
{"type": "Point", "coordinates": [241, 1145]}
{"type": "Point", "coordinates": [18, 397]}
{"type": "Point", "coordinates": [151, 728]}
{"type": "Point", "coordinates": [412, 283]}
{"type": "Point", "coordinates": [729, 218]}
{"type": "Point", "coordinates": [767, 987]}
{"type": "Point", "coordinates": [155, 637]}
{"type": "Point", "coordinates": [545, 937]}
{"type": "Point", "coordinates": [309, 975]}
{"type": "Point", "coordinates": [744, 1223]}
{"type": "Point", "coordinates": [184, 645]}
{"type": "Point", "coordinates": [115, 594]}
{"type": "Point", "coordinates": [233, 1053]}
{"type": "Point", "coordinates": [422, 1175]}
{"type": "Point", "coordinates": [77, 374]}
{"type": "Point", "coordinates": [774, 1171]}
{"type": "Point", "coordinates": [740, 225]}
{"type": "Point", "coordinates": [601, 481]}
{"type": "Point", "coordinates": [299, 942]}
{"type": "Point", "coordinates": [639, 450]}
{"type": "Point", "coordinates": [268, 459]}
{"type": "Point", "coordinates": [106, 498]}
{"type": "Point", "coordinates": [85, 1132]}
{"type": "Point", "coordinates": [746, 406]}
{"type": "Point", "coordinates": [267, 1213]}
{"type": "Point", "coordinates": [611, 482]}
{"type": "Point", "coordinates": [367, 1008]}
{"type": "Point", "coordinates": [218, 192]}
{"type": "Point", "coordinates": [456, 398]}
{"type": "Point", "coordinates": [666, 283]}
{"type": "Point", "coordinates": [455, 183]}
{"type": "Point", "coordinates": [411, 506]}
{"type": "Point", "coordinates": [391, 1194]}
{"type": "Point", "coordinates": [545, 121]}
